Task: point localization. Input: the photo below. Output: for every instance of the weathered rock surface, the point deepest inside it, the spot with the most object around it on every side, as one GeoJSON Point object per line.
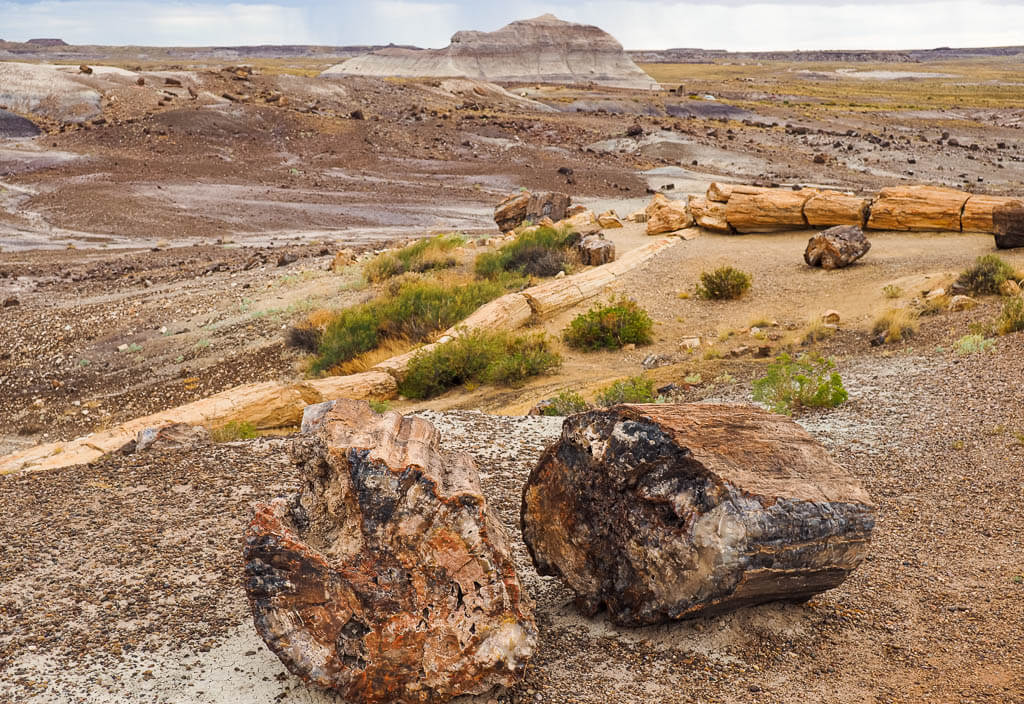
{"type": "Point", "coordinates": [917, 208]}
{"type": "Point", "coordinates": [14, 126]}
{"type": "Point", "coordinates": [836, 247]}
{"type": "Point", "coordinates": [543, 49]}
{"type": "Point", "coordinates": [662, 512]}
{"type": "Point", "coordinates": [709, 214]}
{"type": "Point", "coordinates": [387, 578]}
{"type": "Point", "coordinates": [173, 436]}
{"type": "Point", "coordinates": [665, 215]}
{"type": "Point", "coordinates": [1008, 225]}
{"type": "Point", "coordinates": [515, 208]}
{"type": "Point", "coordinates": [834, 208]}
{"type": "Point", "coordinates": [594, 250]}
{"type": "Point", "coordinates": [770, 210]}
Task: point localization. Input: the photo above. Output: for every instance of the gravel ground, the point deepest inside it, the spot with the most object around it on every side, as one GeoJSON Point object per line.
{"type": "Point", "coordinates": [120, 581]}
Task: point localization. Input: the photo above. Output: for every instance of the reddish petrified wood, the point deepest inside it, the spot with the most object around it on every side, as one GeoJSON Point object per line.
{"type": "Point", "coordinates": [386, 578]}
{"type": "Point", "coordinates": [662, 512]}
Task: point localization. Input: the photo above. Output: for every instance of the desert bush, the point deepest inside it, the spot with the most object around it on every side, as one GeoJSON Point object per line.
{"type": "Point", "coordinates": [478, 357]}
{"type": "Point", "coordinates": [411, 310]}
{"type": "Point", "coordinates": [235, 430]}
{"type": "Point", "coordinates": [565, 403]}
{"type": "Point", "coordinates": [970, 344]}
{"type": "Point", "coordinates": [987, 274]}
{"type": "Point", "coordinates": [935, 305]}
{"type": "Point", "coordinates": [791, 384]}
{"type": "Point", "coordinates": [423, 255]}
{"type": "Point", "coordinates": [892, 291]}
{"type": "Point", "coordinates": [539, 252]}
{"type": "Point", "coordinates": [1011, 318]}
{"type": "Point", "coordinates": [724, 283]}
{"type": "Point", "coordinates": [637, 389]}
{"type": "Point", "coordinates": [305, 337]}
{"type": "Point", "coordinates": [895, 324]}
{"type": "Point", "coordinates": [610, 327]}
{"type": "Point", "coordinates": [379, 406]}
{"type": "Point", "coordinates": [817, 331]}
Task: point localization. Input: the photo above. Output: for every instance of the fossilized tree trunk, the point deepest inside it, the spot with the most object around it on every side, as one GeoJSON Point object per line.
{"type": "Point", "coordinates": [836, 247]}
{"type": "Point", "coordinates": [386, 578]}
{"type": "Point", "coordinates": [662, 512]}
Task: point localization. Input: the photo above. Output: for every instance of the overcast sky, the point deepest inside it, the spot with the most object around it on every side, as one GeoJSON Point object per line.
{"type": "Point", "coordinates": [723, 24]}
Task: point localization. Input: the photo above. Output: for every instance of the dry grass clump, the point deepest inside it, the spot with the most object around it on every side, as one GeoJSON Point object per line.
{"type": "Point", "coordinates": [894, 325]}
{"type": "Point", "coordinates": [817, 331]}
{"type": "Point", "coordinates": [1011, 318]}
{"type": "Point", "coordinates": [987, 274]}
{"type": "Point", "coordinates": [425, 255]}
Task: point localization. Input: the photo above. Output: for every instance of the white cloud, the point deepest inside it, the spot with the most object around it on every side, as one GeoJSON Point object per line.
{"type": "Point", "coordinates": [638, 24]}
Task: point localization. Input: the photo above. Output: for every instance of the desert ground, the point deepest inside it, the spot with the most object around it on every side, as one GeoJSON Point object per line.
{"type": "Point", "coordinates": [157, 253]}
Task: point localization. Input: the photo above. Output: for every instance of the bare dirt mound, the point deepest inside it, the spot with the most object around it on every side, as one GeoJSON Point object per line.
{"type": "Point", "coordinates": [544, 49]}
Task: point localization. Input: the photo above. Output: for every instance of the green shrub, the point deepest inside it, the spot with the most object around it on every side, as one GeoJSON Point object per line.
{"type": "Point", "coordinates": [540, 252]}
{"type": "Point", "coordinates": [565, 403]}
{"type": "Point", "coordinates": [423, 255]}
{"type": "Point", "coordinates": [792, 384]}
{"type": "Point", "coordinates": [986, 275]}
{"type": "Point", "coordinates": [413, 310]}
{"type": "Point", "coordinates": [609, 327]}
{"type": "Point", "coordinates": [379, 406]}
{"type": "Point", "coordinates": [235, 430]}
{"type": "Point", "coordinates": [637, 389]}
{"type": "Point", "coordinates": [969, 344]}
{"type": "Point", "coordinates": [724, 283]}
{"type": "Point", "coordinates": [478, 357]}
{"type": "Point", "coordinates": [1011, 319]}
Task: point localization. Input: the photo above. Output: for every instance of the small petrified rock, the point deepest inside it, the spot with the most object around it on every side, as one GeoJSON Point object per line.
{"type": "Point", "coordinates": [594, 250]}
{"type": "Point", "coordinates": [665, 215]}
{"type": "Point", "coordinates": [516, 208]}
{"type": "Point", "coordinates": [387, 578]}
{"type": "Point", "coordinates": [1008, 223]}
{"type": "Point", "coordinates": [85, 69]}
{"type": "Point", "coordinates": [662, 512]}
{"type": "Point", "coordinates": [836, 247]}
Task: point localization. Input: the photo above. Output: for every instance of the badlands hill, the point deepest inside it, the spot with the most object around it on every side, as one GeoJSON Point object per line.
{"type": "Point", "coordinates": [544, 49]}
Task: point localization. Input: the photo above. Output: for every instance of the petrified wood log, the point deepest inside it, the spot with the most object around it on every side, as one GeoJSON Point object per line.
{"type": "Point", "coordinates": [834, 208]}
{"type": "Point", "coordinates": [386, 578]}
{"type": "Point", "coordinates": [662, 512]}
{"type": "Point", "coordinates": [708, 214]}
{"type": "Point", "coordinates": [920, 208]}
{"type": "Point", "coordinates": [978, 212]}
{"type": "Point", "coordinates": [836, 247]}
{"type": "Point", "coordinates": [769, 210]}
{"type": "Point", "coordinates": [1008, 224]}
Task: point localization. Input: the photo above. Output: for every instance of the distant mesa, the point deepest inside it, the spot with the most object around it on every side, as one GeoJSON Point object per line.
{"type": "Point", "coordinates": [47, 42]}
{"type": "Point", "coordinates": [542, 50]}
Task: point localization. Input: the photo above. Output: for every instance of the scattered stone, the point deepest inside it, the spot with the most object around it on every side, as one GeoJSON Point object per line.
{"type": "Point", "coordinates": [664, 215]}
{"type": "Point", "coordinates": [516, 208]}
{"type": "Point", "coordinates": [1009, 288]}
{"type": "Point", "coordinates": [343, 259]}
{"type": "Point", "coordinates": [935, 293]}
{"type": "Point", "coordinates": [11, 301]}
{"type": "Point", "coordinates": [960, 302]}
{"type": "Point", "coordinates": [1008, 225]}
{"type": "Point", "coordinates": [174, 436]}
{"type": "Point", "coordinates": [582, 223]}
{"type": "Point", "coordinates": [690, 343]}
{"type": "Point", "coordinates": [836, 247]}
{"type": "Point", "coordinates": [85, 69]}
{"type": "Point", "coordinates": [171, 81]}
{"type": "Point", "coordinates": [819, 158]}
{"type": "Point", "coordinates": [671, 511]}
{"type": "Point", "coordinates": [653, 361]}
{"type": "Point", "coordinates": [287, 258]}
{"type": "Point", "coordinates": [830, 317]}
{"type": "Point", "coordinates": [140, 81]}
{"type": "Point", "coordinates": [594, 250]}
{"type": "Point", "coordinates": [356, 115]}
{"type": "Point", "coordinates": [387, 578]}
{"type": "Point", "coordinates": [609, 220]}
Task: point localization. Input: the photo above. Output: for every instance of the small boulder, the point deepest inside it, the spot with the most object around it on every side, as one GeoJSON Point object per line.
{"type": "Point", "coordinates": [171, 81]}
{"type": "Point", "coordinates": [609, 220]}
{"type": "Point", "coordinates": [668, 511]}
{"type": "Point", "coordinates": [665, 215]}
{"type": "Point", "coordinates": [11, 301]}
{"type": "Point", "coordinates": [582, 223]}
{"type": "Point", "coordinates": [87, 70]}
{"type": "Point", "coordinates": [836, 247]}
{"type": "Point", "coordinates": [1008, 223]}
{"type": "Point", "coordinates": [387, 578]}
{"type": "Point", "coordinates": [594, 250]}
{"type": "Point", "coordinates": [830, 317]}
{"type": "Point", "coordinates": [342, 259]}
{"type": "Point", "coordinates": [518, 207]}
{"type": "Point", "coordinates": [1007, 288]}
{"type": "Point", "coordinates": [960, 302]}
{"type": "Point", "coordinates": [174, 436]}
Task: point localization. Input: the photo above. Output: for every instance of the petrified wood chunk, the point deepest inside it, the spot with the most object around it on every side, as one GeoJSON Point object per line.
{"type": "Point", "coordinates": [662, 512]}
{"type": "Point", "coordinates": [386, 578]}
{"type": "Point", "coordinates": [594, 250]}
{"type": "Point", "coordinates": [836, 247]}
{"type": "Point", "coordinates": [665, 215]}
{"type": "Point", "coordinates": [516, 208]}
{"type": "Point", "coordinates": [920, 208]}
{"type": "Point", "coordinates": [708, 214]}
{"type": "Point", "coordinates": [1008, 224]}
{"type": "Point", "coordinates": [769, 210]}
{"type": "Point", "coordinates": [979, 210]}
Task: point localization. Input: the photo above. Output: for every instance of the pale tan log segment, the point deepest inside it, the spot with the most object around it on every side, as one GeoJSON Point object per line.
{"type": "Point", "coordinates": [272, 404]}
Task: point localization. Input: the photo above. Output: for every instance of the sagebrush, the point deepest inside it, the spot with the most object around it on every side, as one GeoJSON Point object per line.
{"type": "Point", "coordinates": [535, 252]}
{"type": "Point", "coordinates": [637, 389]}
{"type": "Point", "coordinates": [724, 283]}
{"type": "Point", "coordinates": [565, 403]}
{"type": "Point", "coordinates": [987, 274]}
{"type": "Point", "coordinates": [805, 382]}
{"type": "Point", "coordinates": [612, 326]}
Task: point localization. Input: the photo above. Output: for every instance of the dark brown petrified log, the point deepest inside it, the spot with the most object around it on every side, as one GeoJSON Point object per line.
{"type": "Point", "coordinates": [661, 512]}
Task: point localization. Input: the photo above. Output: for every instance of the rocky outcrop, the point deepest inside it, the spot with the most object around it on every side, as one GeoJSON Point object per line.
{"type": "Point", "coordinates": [387, 578]}
{"type": "Point", "coordinates": [1008, 225]}
{"type": "Point", "coordinates": [541, 50]}
{"type": "Point", "coordinates": [516, 208]}
{"type": "Point", "coordinates": [665, 215]}
{"type": "Point", "coordinates": [661, 512]}
{"type": "Point", "coordinates": [836, 247]}
{"type": "Point", "coordinates": [917, 208]}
